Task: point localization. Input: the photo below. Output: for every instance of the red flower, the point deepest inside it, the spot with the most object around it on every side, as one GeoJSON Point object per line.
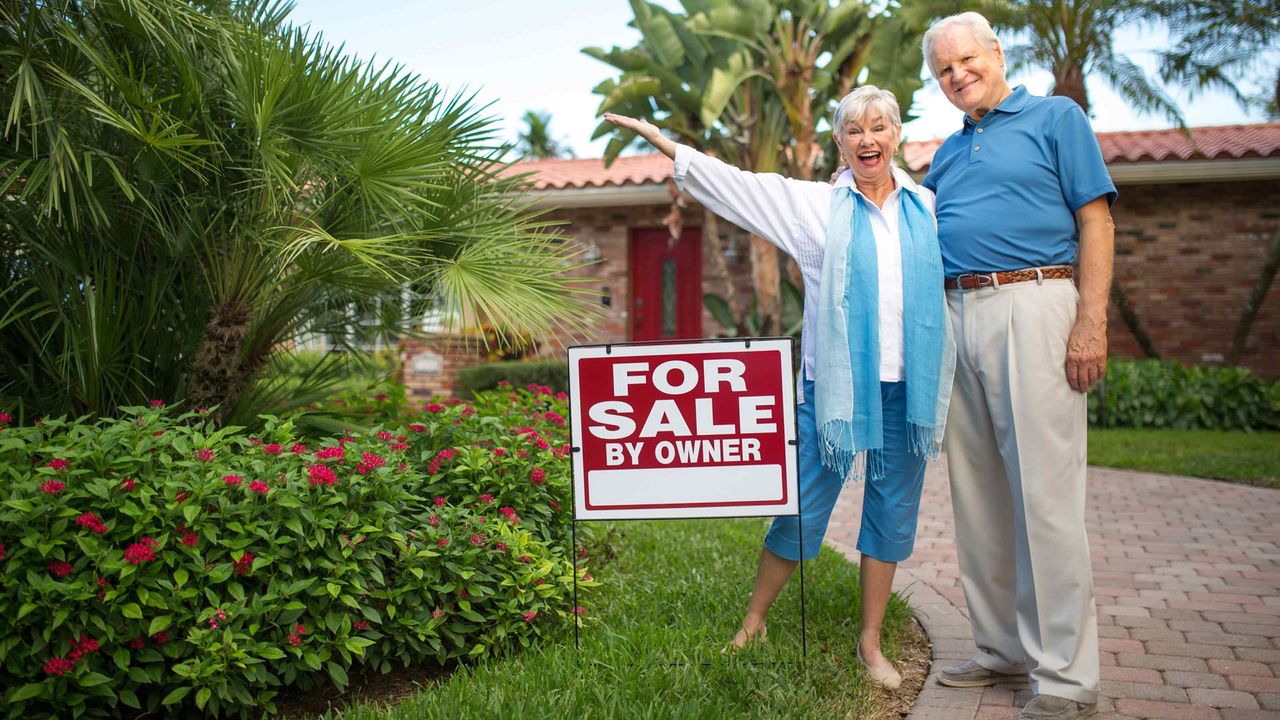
{"type": "Point", "coordinates": [486, 498]}
{"type": "Point", "coordinates": [160, 638]}
{"type": "Point", "coordinates": [502, 547]}
{"type": "Point", "coordinates": [380, 397]}
{"type": "Point", "coordinates": [499, 452]}
{"type": "Point", "coordinates": [183, 495]}
{"type": "Point", "coordinates": [272, 449]}
{"type": "Point", "coordinates": [529, 616]}
{"type": "Point", "coordinates": [522, 454]}
{"type": "Point", "coordinates": [234, 480]}
{"type": "Point", "coordinates": [477, 539]}
{"type": "Point", "coordinates": [138, 643]}
{"type": "Point", "coordinates": [562, 396]}
{"type": "Point", "coordinates": [579, 610]}
{"type": "Point", "coordinates": [204, 454]}
{"type": "Point", "coordinates": [91, 521]}
{"type": "Point", "coordinates": [442, 542]}
{"type": "Point", "coordinates": [2, 549]}
{"type": "Point", "coordinates": [542, 444]}
{"type": "Point", "coordinates": [157, 404]}
{"type": "Point", "coordinates": [384, 435]}
{"type": "Point", "coordinates": [157, 433]}
{"type": "Point", "coordinates": [321, 475]}
{"type": "Point", "coordinates": [298, 449]}
{"type": "Point", "coordinates": [342, 441]}
{"type": "Point", "coordinates": [503, 383]}
{"type": "Point", "coordinates": [399, 446]}
{"type": "Point", "coordinates": [244, 564]}
{"type": "Point", "coordinates": [53, 487]}
{"type": "Point", "coordinates": [149, 542]}
{"type": "Point", "coordinates": [58, 666]}
{"type": "Point", "coordinates": [59, 464]}
{"type": "Point", "coordinates": [128, 484]}
{"type": "Point", "coordinates": [416, 427]}
{"type": "Point", "coordinates": [331, 452]}
{"type": "Point", "coordinates": [437, 614]}
{"type": "Point", "coordinates": [468, 410]}
{"type": "Point", "coordinates": [190, 539]}
{"type": "Point", "coordinates": [360, 625]}
{"type": "Point", "coordinates": [586, 577]}
{"type": "Point", "coordinates": [435, 522]}
{"type": "Point", "coordinates": [538, 476]}
{"type": "Point", "coordinates": [61, 569]}
{"type": "Point", "coordinates": [434, 408]}
{"type": "Point", "coordinates": [139, 552]}
{"type": "Point", "coordinates": [369, 461]}
{"type": "Point", "coordinates": [300, 629]}
{"type": "Point", "coordinates": [83, 646]}
{"type": "Point", "coordinates": [526, 559]}
{"type": "Point", "coordinates": [553, 418]}
{"type": "Point", "coordinates": [5, 419]}
{"type": "Point", "coordinates": [259, 487]}
{"type": "Point", "coordinates": [440, 502]}
{"type": "Point", "coordinates": [538, 582]}
{"type": "Point", "coordinates": [553, 505]}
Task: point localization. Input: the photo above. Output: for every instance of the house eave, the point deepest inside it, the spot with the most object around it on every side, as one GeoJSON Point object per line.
{"type": "Point", "coordinates": [610, 196]}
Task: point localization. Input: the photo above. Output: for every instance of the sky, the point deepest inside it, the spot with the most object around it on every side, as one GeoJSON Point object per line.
{"type": "Point", "coordinates": [524, 55]}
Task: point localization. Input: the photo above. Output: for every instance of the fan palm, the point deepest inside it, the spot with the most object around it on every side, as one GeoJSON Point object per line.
{"type": "Point", "coordinates": [188, 192]}
{"type": "Point", "coordinates": [535, 140]}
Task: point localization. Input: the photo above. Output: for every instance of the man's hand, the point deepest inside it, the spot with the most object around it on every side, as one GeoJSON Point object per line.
{"type": "Point", "coordinates": [1087, 353]}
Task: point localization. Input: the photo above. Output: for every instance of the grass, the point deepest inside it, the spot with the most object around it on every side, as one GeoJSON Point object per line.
{"type": "Point", "coordinates": [1252, 458]}
{"type": "Point", "coordinates": [672, 599]}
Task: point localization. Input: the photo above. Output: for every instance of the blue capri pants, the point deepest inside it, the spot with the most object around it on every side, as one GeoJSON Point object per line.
{"type": "Point", "coordinates": [890, 505]}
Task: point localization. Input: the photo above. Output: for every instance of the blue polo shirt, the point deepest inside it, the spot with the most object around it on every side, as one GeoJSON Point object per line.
{"type": "Point", "coordinates": [1008, 185]}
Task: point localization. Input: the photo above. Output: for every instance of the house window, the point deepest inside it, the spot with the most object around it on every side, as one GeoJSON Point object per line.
{"type": "Point", "coordinates": [669, 297]}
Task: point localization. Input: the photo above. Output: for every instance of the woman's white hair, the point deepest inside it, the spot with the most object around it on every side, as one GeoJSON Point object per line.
{"type": "Point", "coordinates": [972, 21]}
{"type": "Point", "coordinates": [864, 100]}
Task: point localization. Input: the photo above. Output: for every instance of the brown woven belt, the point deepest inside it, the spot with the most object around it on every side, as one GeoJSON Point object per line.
{"type": "Point", "coordinates": [973, 281]}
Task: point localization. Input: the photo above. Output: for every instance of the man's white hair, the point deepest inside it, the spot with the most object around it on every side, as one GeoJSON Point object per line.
{"type": "Point", "coordinates": [976, 24]}
{"type": "Point", "coordinates": [862, 101]}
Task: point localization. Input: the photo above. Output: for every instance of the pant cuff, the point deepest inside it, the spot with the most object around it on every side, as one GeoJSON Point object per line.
{"type": "Point", "coordinates": [1071, 692]}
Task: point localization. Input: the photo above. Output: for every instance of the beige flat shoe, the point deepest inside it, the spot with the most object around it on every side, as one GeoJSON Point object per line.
{"type": "Point", "coordinates": [887, 679]}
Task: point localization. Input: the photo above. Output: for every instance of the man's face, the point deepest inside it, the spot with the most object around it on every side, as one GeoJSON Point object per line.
{"type": "Point", "coordinates": [970, 74]}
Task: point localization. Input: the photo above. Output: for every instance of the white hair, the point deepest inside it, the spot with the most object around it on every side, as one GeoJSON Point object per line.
{"type": "Point", "coordinates": [976, 24]}
{"type": "Point", "coordinates": [862, 101]}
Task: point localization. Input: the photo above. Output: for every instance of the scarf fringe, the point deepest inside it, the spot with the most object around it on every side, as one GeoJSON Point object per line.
{"type": "Point", "coordinates": [835, 443]}
{"type": "Point", "coordinates": [924, 441]}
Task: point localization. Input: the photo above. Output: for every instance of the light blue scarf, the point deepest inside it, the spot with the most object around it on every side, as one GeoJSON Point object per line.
{"type": "Point", "coordinates": [847, 366]}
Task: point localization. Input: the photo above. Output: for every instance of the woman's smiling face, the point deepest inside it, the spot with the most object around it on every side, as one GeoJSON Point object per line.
{"type": "Point", "coordinates": [868, 144]}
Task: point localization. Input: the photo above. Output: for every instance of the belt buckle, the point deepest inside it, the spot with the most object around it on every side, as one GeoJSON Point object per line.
{"type": "Point", "coordinates": [984, 280]}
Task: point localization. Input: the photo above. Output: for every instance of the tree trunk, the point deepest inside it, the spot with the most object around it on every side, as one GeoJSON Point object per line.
{"type": "Point", "coordinates": [764, 275]}
{"type": "Point", "coordinates": [1266, 275]}
{"type": "Point", "coordinates": [217, 377]}
{"type": "Point", "coordinates": [1130, 318]}
{"type": "Point", "coordinates": [1068, 81]}
{"type": "Point", "coordinates": [711, 231]}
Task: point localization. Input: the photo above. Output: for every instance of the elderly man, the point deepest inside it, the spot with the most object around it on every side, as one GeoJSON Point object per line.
{"type": "Point", "coordinates": [1023, 196]}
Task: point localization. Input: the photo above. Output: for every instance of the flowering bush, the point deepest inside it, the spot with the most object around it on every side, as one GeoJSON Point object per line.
{"type": "Point", "coordinates": [156, 563]}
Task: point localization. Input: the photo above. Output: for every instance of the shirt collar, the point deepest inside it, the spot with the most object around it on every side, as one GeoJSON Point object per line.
{"type": "Point", "coordinates": [903, 180]}
{"type": "Point", "coordinates": [1016, 101]}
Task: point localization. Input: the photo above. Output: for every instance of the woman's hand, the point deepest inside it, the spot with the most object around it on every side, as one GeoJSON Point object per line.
{"type": "Point", "coordinates": [646, 130]}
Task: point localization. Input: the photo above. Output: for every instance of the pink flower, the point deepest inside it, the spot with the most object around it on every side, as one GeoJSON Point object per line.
{"type": "Point", "coordinates": [59, 464]}
{"type": "Point", "coordinates": [233, 480]}
{"type": "Point", "coordinates": [91, 521]}
{"type": "Point", "coordinates": [380, 397]}
{"type": "Point", "coordinates": [58, 666]}
{"type": "Point", "coordinates": [553, 505]}
{"type": "Point", "coordinates": [526, 559]}
{"type": "Point", "coordinates": [384, 435]}
{"type": "Point", "coordinates": [259, 487]}
{"type": "Point", "coordinates": [486, 498]}
{"type": "Point", "coordinates": [579, 610]}
{"type": "Point", "coordinates": [440, 502]}
{"type": "Point", "coordinates": [157, 404]}
{"type": "Point", "coordinates": [399, 446]}
{"type": "Point", "coordinates": [53, 487]}
{"type": "Point", "coordinates": [181, 496]}
{"type": "Point", "coordinates": [83, 646]}
{"type": "Point", "coordinates": [272, 448]}
{"type": "Point", "coordinates": [138, 643]}
{"type": "Point", "coordinates": [204, 454]}
{"type": "Point", "coordinates": [503, 383]}
{"type": "Point", "coordinates": [442, 542]}
{"type": "Point", "coordinates": [1, 551]}
{"type": "Point", "coordinates": [499, 452]}
{"type": "Point", "coordinates": [417, 427]}
{"type": "Point", "coordinates": [360, 625]}
{"type": "Point", "coordinates": [586, 577]}
{"type": "Point", "coordinates": [321, 475]}
{"type": "Point", "coordinates": [502, 547]}
{"type": "Point", "coordinates": [562, 396]}
{"type": "Point", "coordinates": [529, 616]}
{"type": "Point", "coordinates": [5, 419]}
{"type": "Point", "coordinates": [435, 522]}
{"type": "Point", "coordinates": [128, 484]}
{"type": "Point", "coordinates": [468, 410]}
{"type": "Point", "coordinates": [522, 454]}
{"type": "Point", "coordinates": [298, 449]}
{"type": "Point", "coordinates": [300, 629]}
{"type": "Point", "coordinates": [61, 569]}
{"type": "Point", "coordinates": [139, 552]}
{"type": "Point", "coordinates": [244, 564]}
{"type": "Point", "coordinates": [537, 476]}
{"type": "Point", "coordinates": [434, 408]}
{"type": "Point", "coordinates": [369, 461]}
{"type": "Point", "coordinates": [538, 582]}
{"type": "Point", "coordinates": [477, 539]}
{"type": "Point", "coordinates": [331, 452]}
{"type": "Point", "coordinates": [553, 418]}
{"type": "Point", "coordinates": [160, 638]}
{"type": "Point", "coordinates": [190, 539]}
{"type": "Point", "coordinates": [437, 614]}
{"type": "Point", "coordinates": [542, 444]}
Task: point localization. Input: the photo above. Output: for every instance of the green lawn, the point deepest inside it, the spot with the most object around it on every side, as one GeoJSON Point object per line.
{"type": "Point", "coordinates": [671, 601]}
{"type": "Point", "coordinates": [1252, 458]}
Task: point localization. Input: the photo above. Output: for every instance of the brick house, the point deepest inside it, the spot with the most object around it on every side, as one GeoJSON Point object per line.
{"type": "Point", "coordinates": [1195, 222]}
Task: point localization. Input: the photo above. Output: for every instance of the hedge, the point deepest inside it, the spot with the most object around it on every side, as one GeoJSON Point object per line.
{"type": "Point", "coordinates": [1164, 394]}
{"type": "Point", "coordinates": [551, 374]}
{"type": "Point", "coordinates": [153, 563]}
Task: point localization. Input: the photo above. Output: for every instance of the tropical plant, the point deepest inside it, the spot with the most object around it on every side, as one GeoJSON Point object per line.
{"type": "Point", "coordinates": [1218, 43]}
{"type": "Point", "coordinates": [751, 81]}
{"type": "Point", "coordinates": [751, 323]}
{"type": "Point", "coordinates": [535, 141]}
{"type": "Point", "coordinates": [188, 190]}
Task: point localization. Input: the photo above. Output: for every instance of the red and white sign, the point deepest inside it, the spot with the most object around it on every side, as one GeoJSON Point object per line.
{"type": "Point", "coordinates": [679, 430]}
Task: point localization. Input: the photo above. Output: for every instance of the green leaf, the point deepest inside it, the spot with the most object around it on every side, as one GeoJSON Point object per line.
{"type": "Point", "coordinates": [159, 623]}
{"type": "Point", "coordinates": [132, 611]}
{"type": "Point", "coordinates": [28, 691]}
{"type": "Point", "coordinates": [26, 609]}
{"type": "Point", "coordinates": [175, 696]}
{"type": "Point", "coordinates": [180, 577]}
{"type": "Point", "coordinates": [202, 697]}
{"type": "Point", "coordinates": [338, 674]}
{"type": "Point", "coordinates": [93, 678]}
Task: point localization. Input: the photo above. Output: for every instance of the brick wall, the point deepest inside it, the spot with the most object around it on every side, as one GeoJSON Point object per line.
{"type": "Point", "coordinates": [1188, 256]}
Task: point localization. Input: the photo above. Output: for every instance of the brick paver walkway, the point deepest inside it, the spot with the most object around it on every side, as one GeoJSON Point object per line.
{"type": "Point", "coordinates": [1187, 576]}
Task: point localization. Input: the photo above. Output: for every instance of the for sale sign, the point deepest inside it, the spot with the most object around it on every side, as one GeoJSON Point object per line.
{"type": "Point", "coordinates": [677, 430]}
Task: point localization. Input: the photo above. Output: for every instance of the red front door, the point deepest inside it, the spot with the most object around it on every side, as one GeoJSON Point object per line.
{"type": "Point", "coordinates": [666, 285]}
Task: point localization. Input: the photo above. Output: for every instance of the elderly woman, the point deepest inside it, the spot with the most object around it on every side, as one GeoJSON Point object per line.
{"type": "Point", "coordinates": [878, 354]}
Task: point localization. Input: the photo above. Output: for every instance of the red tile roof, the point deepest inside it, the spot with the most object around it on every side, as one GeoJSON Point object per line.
{"type": "Point", "coordinates": [1207, 143]}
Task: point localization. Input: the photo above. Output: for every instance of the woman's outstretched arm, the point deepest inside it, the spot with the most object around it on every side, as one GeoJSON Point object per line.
{"type": "Point", "coordinates": [646, 130]}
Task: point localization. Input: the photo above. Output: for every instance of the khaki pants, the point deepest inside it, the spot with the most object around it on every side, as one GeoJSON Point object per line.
{"type": "Point", "coordinates": [1016, 437]}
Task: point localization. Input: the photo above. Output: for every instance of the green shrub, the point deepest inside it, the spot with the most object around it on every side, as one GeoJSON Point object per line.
{"type": "Point", "coordinates": [152, 562]}
{"type": "Point", "coordinates": [552, 374]}
{"type": "Point", "coordinates": [1163, 394]}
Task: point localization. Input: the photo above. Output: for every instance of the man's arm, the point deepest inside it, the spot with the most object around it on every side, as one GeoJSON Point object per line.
{"type": "Point", "coordinates": [1087, 344]}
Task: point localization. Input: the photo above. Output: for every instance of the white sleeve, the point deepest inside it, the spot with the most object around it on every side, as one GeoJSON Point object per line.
{"type": "Point", "coordinates": [781, 210]}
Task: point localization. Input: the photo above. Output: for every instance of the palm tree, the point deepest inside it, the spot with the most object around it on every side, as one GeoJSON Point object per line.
{"type": "Point", "coordinates": [1216, 43]}
{"type": "Point", "coordinates": [186, 193]}
{"type": "Point", "coordinates": [535, 140]}
{"type": "Point", "coordinates": [750, 81]}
